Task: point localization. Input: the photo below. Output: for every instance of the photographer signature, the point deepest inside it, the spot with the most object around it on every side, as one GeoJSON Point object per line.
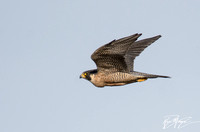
{"type": "Point", "coordinates": [176, 122]}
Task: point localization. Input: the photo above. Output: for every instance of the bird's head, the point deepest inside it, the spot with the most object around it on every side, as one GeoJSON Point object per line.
{"type": "Point", "coordinates": [88, 74]}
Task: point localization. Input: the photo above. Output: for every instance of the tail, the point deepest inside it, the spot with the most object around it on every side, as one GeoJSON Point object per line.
{"type": "Point", "coordinates": [146, 75]}
{"type": "Point", "coordinates": [156, 76]}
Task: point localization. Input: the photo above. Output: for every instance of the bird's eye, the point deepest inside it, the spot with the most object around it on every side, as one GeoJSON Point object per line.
{"type": "Point", "coordinates": [85, 74]}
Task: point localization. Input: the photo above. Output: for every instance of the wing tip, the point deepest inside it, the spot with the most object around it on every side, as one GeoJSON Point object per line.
{"type": "Point", "coordinates": [155, 37]}
{"type": "Point", "coordinates": [136, 35]}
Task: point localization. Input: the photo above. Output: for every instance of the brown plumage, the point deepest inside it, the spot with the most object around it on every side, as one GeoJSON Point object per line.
{"type": "Point", "coordinates": [115, 62]}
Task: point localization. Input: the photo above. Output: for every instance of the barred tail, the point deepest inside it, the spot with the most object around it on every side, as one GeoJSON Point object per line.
{"type": "Point", "coordinates": [146, 75]}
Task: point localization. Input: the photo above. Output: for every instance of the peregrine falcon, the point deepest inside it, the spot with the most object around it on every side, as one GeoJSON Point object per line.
{"type": "Point", "coordinates": [115, 62]}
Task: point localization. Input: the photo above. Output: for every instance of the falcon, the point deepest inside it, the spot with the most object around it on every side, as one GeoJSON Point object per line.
{"type": "Point", "coordinates": [115, 62]}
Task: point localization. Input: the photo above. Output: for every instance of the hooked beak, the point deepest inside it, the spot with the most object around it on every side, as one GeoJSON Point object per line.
{"type": "Point", "coordinates": [82, 76]}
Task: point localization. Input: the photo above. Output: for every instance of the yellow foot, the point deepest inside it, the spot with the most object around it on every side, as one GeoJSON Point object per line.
{"type": "Point", "coordinates": [141, 80]}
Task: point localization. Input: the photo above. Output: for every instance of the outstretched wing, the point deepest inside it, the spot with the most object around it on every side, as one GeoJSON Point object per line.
{"type": "Point", "coordinates": [118, 55]}
{"type": "Point", "coordinates": [136, 48]}
{"type": "Point", "coordinates": [111, 57]}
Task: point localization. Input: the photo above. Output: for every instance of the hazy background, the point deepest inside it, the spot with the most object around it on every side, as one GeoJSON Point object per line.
{"type": "Point", "coordinates": [46, 44]}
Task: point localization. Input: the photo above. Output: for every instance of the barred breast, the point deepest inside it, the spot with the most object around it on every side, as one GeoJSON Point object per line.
{"type": "Point", "coordinates": [119, 77]}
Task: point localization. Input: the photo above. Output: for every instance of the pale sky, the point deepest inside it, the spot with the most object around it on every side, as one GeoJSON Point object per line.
{"type": "Point", "coordinates": [46, 44]}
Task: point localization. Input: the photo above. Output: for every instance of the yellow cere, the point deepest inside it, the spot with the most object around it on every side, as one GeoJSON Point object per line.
{"type": "Point", "coordinates": [83, 75]}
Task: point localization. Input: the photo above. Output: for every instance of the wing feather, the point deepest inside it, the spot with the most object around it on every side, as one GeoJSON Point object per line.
{"type": "Point", "coordinates": [118, 55]}
{"type": "Point", "coordinates": [110, 57]}
{"type": "Point", "coordinates": [136, 48]}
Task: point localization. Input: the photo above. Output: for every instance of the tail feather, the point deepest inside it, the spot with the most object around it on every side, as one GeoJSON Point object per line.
{"type": "Point", "coordinates": [156, 76]}
{"type": "Point", "coordinates": [146, 75]}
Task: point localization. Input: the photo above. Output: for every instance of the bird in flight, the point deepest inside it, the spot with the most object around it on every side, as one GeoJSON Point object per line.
{"type": "Point", "coordinates": [115, 62]}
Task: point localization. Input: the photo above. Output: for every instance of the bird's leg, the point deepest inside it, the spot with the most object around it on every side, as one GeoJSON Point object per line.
{"type": "Point", "coordinates": [141, 79]}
